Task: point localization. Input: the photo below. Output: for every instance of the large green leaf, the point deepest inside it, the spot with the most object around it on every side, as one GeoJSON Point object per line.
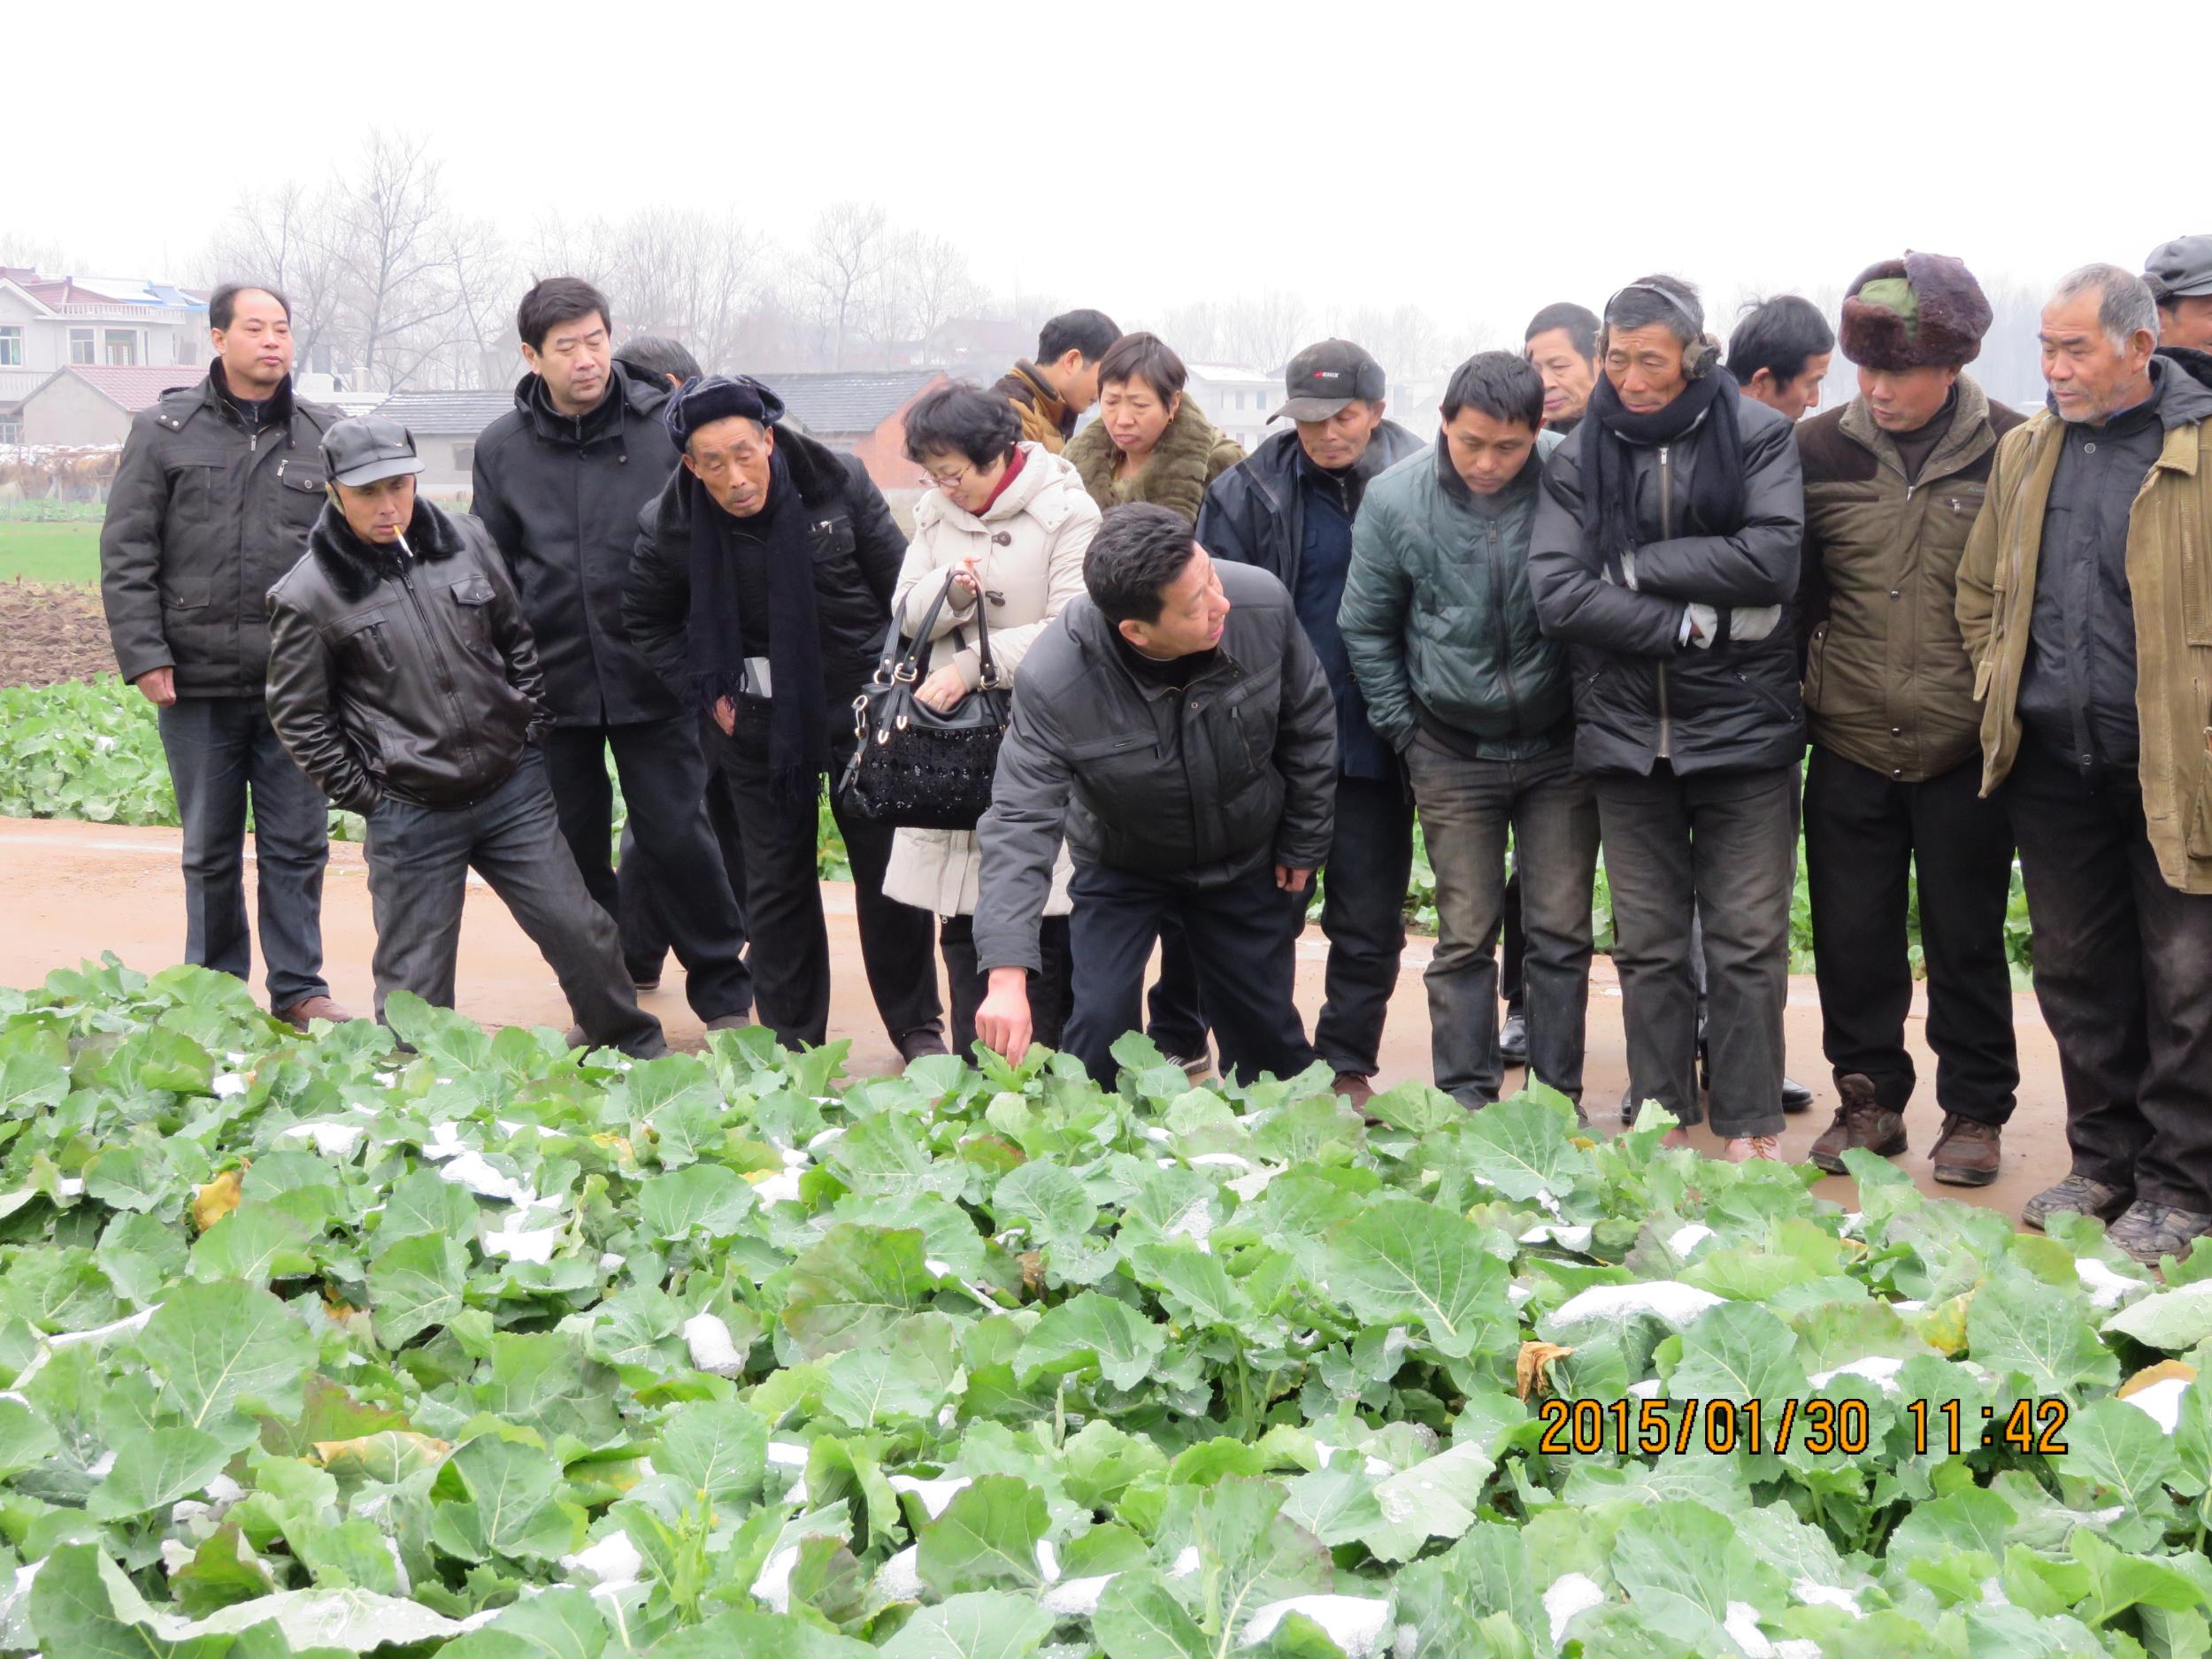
{"type": "Point", "coordinates": [975, 1624]}
{"type": "Point", "coordinates": [2016, 1324]}
{"type": "Point", "coordinates": [1403, 1260]}
{"type": "Point", "coordinates": [986, 1537]}
{"type": "Point", "coordinates": [852, 1288]}
{"type": "Point", "coordinates": [1096, 1329]}
{"type": "Point", "coordinates": [225, 1349]}
{"type": "Point", "coordinates": [718, 1449]}
{"type": "Point", "coordinates": [416, 1285]}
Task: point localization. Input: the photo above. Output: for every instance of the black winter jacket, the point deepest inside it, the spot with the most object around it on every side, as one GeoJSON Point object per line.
{"type": "Point", "coordinates": [1208, 782]}
{"type": "Point", "coordinates": [1640, 693]}
{"type": "Point", "coordinates": [561, 497]}
{"type": "Point", "coordinates": [857, 550]}
{"type": "Point", "coordinates": [410, 676]}
{"type": "Point", "coordinates": [203, 515]}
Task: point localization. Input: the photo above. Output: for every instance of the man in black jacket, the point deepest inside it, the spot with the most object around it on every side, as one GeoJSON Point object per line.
{"type": "Point", "coordinates": [1176, 729]}
{"type": "Point", "coordinates": [1665, 552]}
{"type": "Point", "coordinates": [559, 483]}
{"type": "Point", "coordinates": [219, 485]}
{"type": "Point", "coordinates": [1288, 508]}
{"type": "Point", "coordinates": [404, 680]}
{"type": "Point", "coordinates": [760, 592]}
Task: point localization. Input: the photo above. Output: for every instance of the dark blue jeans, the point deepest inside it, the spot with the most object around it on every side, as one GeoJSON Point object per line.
{"type": "Point", "coordinates": [1466, 807]}
{"type": "Point", "coordinates": [419, 859]}
{"type": "Point", "coordinates": [1363, 913]}
{"type": "Point", "coordinates": [223, 756]}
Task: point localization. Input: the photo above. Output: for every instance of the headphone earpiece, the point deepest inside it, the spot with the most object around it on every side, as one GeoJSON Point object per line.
{"type": "Point", "coordinates": [1699, 360]}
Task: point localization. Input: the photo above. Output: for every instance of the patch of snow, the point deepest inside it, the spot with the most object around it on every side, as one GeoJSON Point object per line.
{"type": "Point", "coordinates": [1914, 1306]}
{"type": "Point", "coordinates": [2105, 1289]}
{"type": "Point", "coordinates": [524, 1247]}
{"type": "Point", "coordinates": [1814, 1595]}
{"type": "Point", "coordinates": [1665, 1298]}
{"type": "Point", "coordinates": [1518, 1294]}
{"type": "Point", "coordinates": [1248, 1187]}
{"type": "Point", "coordinates": [941, 1270]}
{"type": "Point", "coordinates": [1557, 1232]}
{"type": "Point", "coordinates": [1185, 1565]}
{"type": "Point", "coordinates": [100, 1333]}
{"type": "Point", "coordinates": [1687, 1237]}
{"type": "Point", "coordinates": [470, 1169]}
{"type": "Point", "coordinates": [789, 1454]}
{"type": "Point", "coordinates": [70, 1187]}
{"type": "Point", "coordinates": [1648, 1389]}
{"type": "Point", "coordinates": [1219, 1161]}
{"type": "Point", "coordinates": [1195, 1223]}
{"type": "Point", "coordinates": [934, 1494]}
{"type": "Point", "coordinates": [1573, 1593]}
{"type": "Point", "coordinates": [333, 1140]}
{"type": "Point", "coordinates": [1153, 1132]}
{"type": "Point", "coordinates": [613, 1561]}
{"type": "Point", "coordinates": [1852, 1223]}
{"type": "Point", "coordinates": [227, 1084]}
{"type": "Point", "coordinates": [713, 1350]}
{"type": "Point", "coordinates": [1356, 1624]}
{"type": "Point", "coordinates": [900, 1578]}
{"type": "Point", "coordinates": [781, 1188]}
{"type": "Point", "coordinates": [2161, 1401]}
{"type": "Point", "coordinates": [1875, 1368]}
{"type": "Point", "coordinates": [610, 1263]}
{"type": "Point", "coordinates": [773, 1586]}
{"type": "Point", "coordinates": [445, 1141]}
{"type": "Point", "coordinates": [1076, 1598]}
{"type": "Point", "coordinates": [1048, 1560]}
{"type": "Point", "coordinates": [1742, 1625]}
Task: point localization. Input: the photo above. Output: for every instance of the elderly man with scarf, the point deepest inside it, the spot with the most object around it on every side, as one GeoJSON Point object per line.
{"type": "Point", "coordinates": [760, 591]}
{"type": "Point", "coordinates": [1665, 552]}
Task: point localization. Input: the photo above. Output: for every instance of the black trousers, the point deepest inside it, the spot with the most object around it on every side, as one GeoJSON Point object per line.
{"type": "Point", "coordinates": [1363, 913]}
{"type": "Point", "coordinates": [665, 784]}
{"type": "Point", "coordinates": [1177, 1023]}
{"type": "Point", "coordinates": [419, 859]}
{"type": "Point", "coordinates": [2123, 974]}
{"type": "Point", "coordinates": [783, 901]}
{"type": "Point", "coordinates": [1722, 845]}
{"type": "Point", "coordinates": [640, 912]}
{"type": "Point", "coordinates": [1243, 938]}
{"type": "Point", "coordinates": [1512, 984]}
{"type": "Point", "coordinates": [1865, 834]}
{"type": "Point", "coordinates": [1049, 991]}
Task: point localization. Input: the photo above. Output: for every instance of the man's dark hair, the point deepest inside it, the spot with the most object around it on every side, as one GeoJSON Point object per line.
{"type": "Point", "coordinates": [1091, 333]}
{"type": "Point", "coordinates": [657, 356]}
{"type": "Point", "coordinates": [557, 300]}
{"type": "Point", "coordinates": [222, 305]}
{"type": "Point", "coordinates": [1579, 321]}
{"type": "Point", "coordinates": [1139, 550]}
{"type": "Point", "coordinates": [1778, 335]}
{"type": "Point", "coordinates": [1502, 385]}
{"type": "Point", "coordinates": [962, 419]}
{"type": "Point", "coordinates": [1146, 357]}
{"type": "Point", "coordinates": [1658, 299]}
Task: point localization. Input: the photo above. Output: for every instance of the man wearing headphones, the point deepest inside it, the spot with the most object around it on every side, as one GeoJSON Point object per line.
{"type": "Point", "coordinates": [1665, 551]}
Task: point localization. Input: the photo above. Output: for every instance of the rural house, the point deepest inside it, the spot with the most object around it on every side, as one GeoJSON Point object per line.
{"type": "Point", "coordinates": [52, 323]}
{"type": "Point", "coordinates": [84, 405]}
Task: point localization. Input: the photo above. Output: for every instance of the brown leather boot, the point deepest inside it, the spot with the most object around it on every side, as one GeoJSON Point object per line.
{"type": "Point", "coordinates": [1967, 1153]}
{"type": "Point", "coordinates": [309, 1008]}
{"type": "Point", "coordinates": [1860, 1121]}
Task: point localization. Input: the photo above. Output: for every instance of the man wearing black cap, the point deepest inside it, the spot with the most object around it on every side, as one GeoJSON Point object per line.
{"type": "Point", "coordinates": [1288, 508]}
{"type": "Point", "coordinates": [559, 481]}
{"type": "Point", "coordinates": [403, 680]}
{"type": "Point", "coordinates": [2180, 277]}
{"type": "Point", "coordinates": [760, 592]}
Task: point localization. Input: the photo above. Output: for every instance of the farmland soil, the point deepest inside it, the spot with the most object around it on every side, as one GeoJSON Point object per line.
{"type": "Point", "coordinates": [72, 890]}
{"type": "Point", "coordinates": [52, 634]}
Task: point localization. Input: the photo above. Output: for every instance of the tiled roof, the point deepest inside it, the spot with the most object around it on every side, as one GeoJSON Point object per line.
{"type": "Point", "coordinates": [132, 387]}
{"type": "Point", "coordinates": [853, 402]}
{"type": "Point", "coordinates": [447, 414]}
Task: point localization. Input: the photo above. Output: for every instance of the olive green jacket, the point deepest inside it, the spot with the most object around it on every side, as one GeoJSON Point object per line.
{"type": "Point", "coordinates": [1887, 683]}
{"type": "Point", "coordinates": [2169, 572]}
{"type": "Point", "coordinates": [1191, 454]}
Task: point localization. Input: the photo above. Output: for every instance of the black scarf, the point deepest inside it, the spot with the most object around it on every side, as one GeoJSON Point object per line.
{"type": "Point", "coordinates": [1716, 503]}
{"type": "Point", "coordinates": [798, 720]}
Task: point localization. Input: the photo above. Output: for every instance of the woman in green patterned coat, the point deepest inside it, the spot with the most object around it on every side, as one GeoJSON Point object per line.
{"type": "Point", "coordinates": [1151, 442]}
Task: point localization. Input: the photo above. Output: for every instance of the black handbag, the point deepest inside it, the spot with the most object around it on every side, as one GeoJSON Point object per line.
{"type": "Point", "coordinates": [913, 767]}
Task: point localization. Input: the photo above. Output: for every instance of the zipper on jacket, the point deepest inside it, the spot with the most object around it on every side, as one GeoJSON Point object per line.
{"type": "Point", "coordinates": [436, 648]}
{"type": "Point", "coordinates": [1666, 532]}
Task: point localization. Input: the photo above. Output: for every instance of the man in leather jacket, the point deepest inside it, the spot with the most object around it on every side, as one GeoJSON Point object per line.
{"type": "Point", "coordinates": [404, 680]}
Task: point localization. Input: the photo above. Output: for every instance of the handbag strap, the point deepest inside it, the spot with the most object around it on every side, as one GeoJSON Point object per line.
{"type": "Point", "coordinates": [905, 656]}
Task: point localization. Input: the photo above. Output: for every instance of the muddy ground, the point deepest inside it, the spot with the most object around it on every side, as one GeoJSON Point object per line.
{"type": "Point", "coordinates": [52, 634]}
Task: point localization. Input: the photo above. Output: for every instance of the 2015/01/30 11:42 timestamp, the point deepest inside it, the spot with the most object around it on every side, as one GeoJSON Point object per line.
{"type": "Point", "coordinates": [1820, 1426]}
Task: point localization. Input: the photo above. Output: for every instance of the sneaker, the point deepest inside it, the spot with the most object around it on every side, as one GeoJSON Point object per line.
{"type": "Point", "coordinates": [1513, 1038]}
{"type": "Point", "coordinates": [1967, 1153]}
{"type": "Point", "coordinates": [1196, 1067]}
{"type": "Point", "coordinates": [2077, 1193]}
{"type": "Point", "coordinates": [1795, 1097]}
{"type": "Point", "coordinates": [1860, 1121]}
{"type": "Point", "coordinates": [1744, 1148]}
{"type": "Point", "coordinates": [319, 1007]}
{"type": "Point", "coordinates": [2149, 1231]}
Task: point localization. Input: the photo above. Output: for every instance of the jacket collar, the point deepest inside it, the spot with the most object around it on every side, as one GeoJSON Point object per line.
{"type": "Point", "coordinates": [1524, 482]}
{"type": "Point", "coordinates": [1181, 457]}
{"type": "Point", "coordinates": [1041, 471]}
{"type": "Point", "coordinates": [1088, 626]}
{"type": "Point", "coordinates": [1970, 436]}
{"type": "Point", "coordinates": [355, 568]}
{"type": "Point", "coordinates": [215, 397]}
{"type": "Point", "coordinates": [1048, 400]}
{"type": "Point", "coordinates": [627, 395]}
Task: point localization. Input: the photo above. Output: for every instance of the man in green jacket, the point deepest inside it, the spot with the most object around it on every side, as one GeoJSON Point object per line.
{"type": "Point", "coordinates": [1892, 483]}
{"type": "Point", "coordinates": [1460, 681]}
{"type": "Point", "coordinates": [2085, 601]}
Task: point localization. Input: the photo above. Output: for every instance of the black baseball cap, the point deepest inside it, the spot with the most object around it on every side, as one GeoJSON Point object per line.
{"type": "Point", "coordinates": [2180, 269]}
{"type": "Point", "coordinates": [367, 449]}
{"type": "Point", "coordinates": [1324, 378]}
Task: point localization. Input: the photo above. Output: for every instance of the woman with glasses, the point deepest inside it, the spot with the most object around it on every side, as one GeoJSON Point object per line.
{"type": "Point", "coordinates": [1001, 531]}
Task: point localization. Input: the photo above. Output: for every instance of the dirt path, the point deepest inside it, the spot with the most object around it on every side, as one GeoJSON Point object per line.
{"type": "Point", "coordinates": [71, 890]}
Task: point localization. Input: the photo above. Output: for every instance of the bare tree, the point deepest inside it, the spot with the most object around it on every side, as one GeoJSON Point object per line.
{"type": "Point", "coordinates": [1265, 330]}
{"type": "Point", "coordinates": [482, 338]}
{"type": "Point", "coordinates": [1197, 331]}
{"type": "Point", "coordinates": [285, 237]}
{"type": "Point", "coordinates": [923, 283]}
{"type": "Point", "coordinates": [391, 238]}
{"type": "Point", "coordinates": [847, 247]}
{"type": "Point", "coordinates": [1404, 339]}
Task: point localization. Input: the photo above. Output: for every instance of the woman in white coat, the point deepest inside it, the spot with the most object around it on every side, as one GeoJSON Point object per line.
{"type": "Point", "coordinates": [1004, 526]}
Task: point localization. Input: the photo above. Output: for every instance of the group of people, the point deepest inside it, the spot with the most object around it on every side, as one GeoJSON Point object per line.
{"type": "Point", "coordinates": [1610, 606]}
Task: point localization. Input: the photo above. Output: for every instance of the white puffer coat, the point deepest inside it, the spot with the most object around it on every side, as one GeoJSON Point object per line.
{"type": "Point", "coordinates": [1029, 546]}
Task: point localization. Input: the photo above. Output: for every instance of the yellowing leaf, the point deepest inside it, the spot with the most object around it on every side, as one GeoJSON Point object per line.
{"type": "Point", "coordinates": [1531, 1370]}
{"type": "Point", "coordinates": [2165, 1371]}
{"type": "Point", "coordinates": [211, 1202]}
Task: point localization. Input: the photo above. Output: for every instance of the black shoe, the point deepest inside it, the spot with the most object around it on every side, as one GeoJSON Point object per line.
{"type": "Point", "coordinates": [1513, 1038]}
{"type": "Point", "coordinates": [643, 986]}
{"type": "Point", "coordinates": [1795, 1097]}
{"type": "Point", "coordinates": [920, 1042]}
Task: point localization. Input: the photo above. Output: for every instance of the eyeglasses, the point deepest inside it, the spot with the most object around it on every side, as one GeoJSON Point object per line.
{"type": "Point", "coordinates": [947, 484]}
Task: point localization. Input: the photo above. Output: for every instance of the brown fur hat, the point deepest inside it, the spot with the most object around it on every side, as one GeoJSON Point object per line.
{"type": "Point", "coordinates": [1927, 312]}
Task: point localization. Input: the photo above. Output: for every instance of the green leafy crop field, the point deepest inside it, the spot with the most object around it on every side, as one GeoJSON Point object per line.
{"type": "Point", "coordinates": [486, 1347]}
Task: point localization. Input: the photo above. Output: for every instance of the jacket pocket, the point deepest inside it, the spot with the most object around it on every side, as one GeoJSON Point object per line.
{"type": "Point", "coordinates": [300, 481]}
{"type": "Point", "coordinates": [184, 596]}
{"type": "Point", "coordinates": [473, 621]}
{"type": "Point", "coordinates": [365, 643]}
{"type": "Point", "coordinates": [1816, 664]}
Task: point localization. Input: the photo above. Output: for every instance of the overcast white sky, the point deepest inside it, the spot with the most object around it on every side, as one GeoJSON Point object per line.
{"type": "Point", "coordinates": [1476, 158]}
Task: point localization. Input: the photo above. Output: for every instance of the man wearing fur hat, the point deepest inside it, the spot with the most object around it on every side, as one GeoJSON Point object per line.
{"type": "Point", "coordinates": [2086, 599]}
{"type": "Point", "coordinates": [1892, 483]}
{"type": "Point", "coordinates": [759, 592]}
{"type": "Point", "coordinates": [403, 680]}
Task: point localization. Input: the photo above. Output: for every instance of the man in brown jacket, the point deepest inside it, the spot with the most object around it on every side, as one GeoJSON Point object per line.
{"type": "Point", "coordinates": [1063, 382]}
{"type": "Point", "coordinates": [2086, 600]}
{"type": "Point", "coordinates": [1893, 482]}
